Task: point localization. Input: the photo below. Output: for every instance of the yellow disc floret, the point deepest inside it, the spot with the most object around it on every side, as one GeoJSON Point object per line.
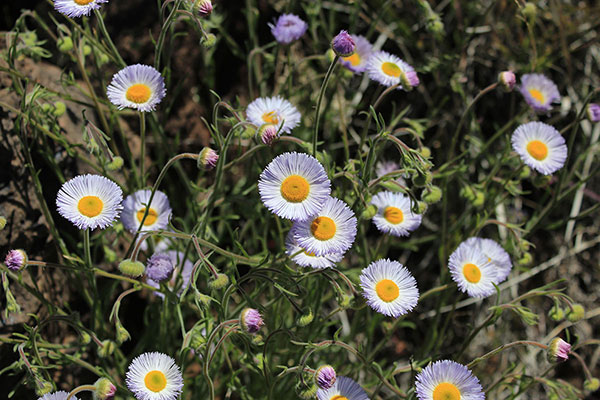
{"type": "Point", "coordinates": [150, 218]}
{"type": "Point", "coordinates": [83, 2]}
{"type": "Point", "coordinates": [271, 117]}
{"type": "Point", "coordinates": [155, 381]}
{"type": "Point", "coordinates": [446, 391]}
{"type": "Point", "coordinates": [536, 94]}
{"type": "Point", "coordinates": [472, 273]}
{"type": "Point", "coordinates": [323, 228]}
{"type": "Point", "coordinates": [354, 59]}
{"type": "Point", "coordinates": [537, 149]}
{"type": "Point", "coordinates": [387, 290]}
{"type": "Point", "coordinates": [339, 397]}
{"type": "Point", "coordinates": [393, 215]}
{"type": "Point", "coordinates": [295, 188]}
{"type": "Point", "coordinates": [391, 69]}
{"type": "Point", "coordinates": [138, 93]}
{"type": "Point", "coordinates": [90, 206]}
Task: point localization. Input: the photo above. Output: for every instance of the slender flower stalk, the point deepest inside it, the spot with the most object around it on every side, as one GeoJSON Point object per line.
{"type": "Point", "coordinates": [320, 98]}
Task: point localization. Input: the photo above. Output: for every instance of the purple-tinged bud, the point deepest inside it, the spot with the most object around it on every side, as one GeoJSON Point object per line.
{"type": "Point", "coordinates": [251, 320]}
{"type": "Point", "coordinates": [593, 111]}
{"type": "Point", "coordinates": [208, 158]}
{"type": "Point", "coordinates": [343, 45]}
{"type": "Point", "coordinates": [558, 350]}
{"type": "Point", "coordinates": [105, 390]}
{"type": "Point", "coordinates": [508, 80]}
{"type": "Point", "coordinates": [409, 80]}
{"type": "Point", "coordinates": [16, 260]}
{"type": "Point", "coordinates": [325, 377]}
{"type": "Point", "coordinates": [268, 133]}
{"type": "Point", "coordinates": [204, 7]}
{"type": "Point", "coordinates": [159, 267]}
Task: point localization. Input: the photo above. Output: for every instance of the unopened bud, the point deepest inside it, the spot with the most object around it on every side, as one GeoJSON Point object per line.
{"type": "Point", "coordinates": [576, 313]}
{"type": "Point", "coordinates": [64, 44]}
{"type": "Point", "coordinates": [116, 164]}
{"type": "Point", "coordinates": [508, 80]}
{"type": "Point", "coordinates": [59, 108]}
{"type": "Point", "coordinates": [325, 377]}
{"type": "Point", "coordinates": [105, 390]}
{"type": "Point", "coordinates": [431, 194]}
{"type": "Point", "coordinates": [132, 268]}
{"type": "Point", "coordinates": [306, 319]}
{"type": "Point", "coordinates": [251, 320]}
{"type": "Point", "coordinates": [268, 133]}
{"type": "Point", "coordinates": [107, 348]}
{"type": "Point", "coordinates": [558, 350]}
{"type": "Point", "coordinates": [209, 40]}
{"type": "Point", "coordinates": [369, 212]}
{"type": "Point", "coordinates": [207, 158]}
{"type": "Point", "coordinates": [219, 282]}
{"type": "Point", "coordinates": [556, 313]}
{"type": "Point", "coordinates": [592, 384]}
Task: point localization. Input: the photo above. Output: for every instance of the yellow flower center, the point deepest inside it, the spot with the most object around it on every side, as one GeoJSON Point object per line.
{"type": "Point", "coordinates": [83, 2]}
{"type": "Point", "coordinates": [339, 397]}
{"type": "Point", "coordinates": [391, 69]}
{"type": "Point", "coordinates": [138, 93]}
{"type": "Point", "coordinates": [309, 254]}
{"type": "Point", "coordinates": [472, 273]}
{"type": "Point", "coordinates": [90, 206]}
{"type": "Point", "coordinates": [387, 290]}
{"type": "Point", "coordinates": [323, 228]}
{"type": "Point", "coordinates": [536, 94]}
{"type": "Point", "coordinates": [155, 381]}
{"type": "Point", "coordinates": [446, 391]}
{"type": "Point", "coordinates": [150, 218]}
{"type": "Point", "coordinates": [354, 59]}
{"type": "Point", "coordinates": [271, 117]}
{"type": "Point", "coordinates": [393, 215]}
{"type": "Point", "coordinates": [537, 149]}
{"type": "Point", "coordinates": [295, 189]}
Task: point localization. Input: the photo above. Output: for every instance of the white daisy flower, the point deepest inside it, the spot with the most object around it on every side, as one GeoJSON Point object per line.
{"type": "Point", "coordinates": [331, 230]}
{"type": "Point", "coordinates": [389, 288]}
{"type": "Point", "coordinates": [273, 110]}
{"type": "Point", "coordinates": [134, 207]}
{"type": "Point", "coordinates": [77, 8]}
{"type": "Point", "coordinates": [60, 395]}
{"type": "Point", "coordinates": [394, 215]}
{"type": "Point", "coordinates": [137, 86]}
{"type": "Point", "coordinates": [539, 92]}
{"type": "Point", "coordinates": [344, 388]}
{"type": "Point", "coordinates": [472, 271]}
{"type": "Point", "coordinates": [294, 186]}
{"type": "Point", "coordinates": [390, 70]}
{"type": "Point", "coordinates": [540, 146]}
{"type": "Point", "coordinates": [90, 201]}
{"type": "Point", "coordinates": [495, 254]}
{"type": "Point", "coordinates": [306, 259]}
{"type": "Point", "coordinates": [448, 380]}
{"type": "Point", "coordinates": [154, 376]}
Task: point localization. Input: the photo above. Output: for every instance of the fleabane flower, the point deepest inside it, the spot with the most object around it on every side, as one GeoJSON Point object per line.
{"type": "Point", "coordinates": [472, 271]}
{"type": "Point", "coordinates": [389, 70]}
{"type": "Point", "coordinates": [77, 8]}
{"type": "Point", "coordinates": [558, 350]}
{"type": "Point", "coordinates": [394, 215]}
{"type": "Point", "coordinates": [154, 376]}
{"type": "Point", "coordinates": [325, 377]}
{"type": "Point", "coordinates": [495, 254]}
{"type": "Point", "coordinates": [540, 146]}
{"type": "Point", "coordinates": [134, 208]}
{"type": "Point", "coordinates": [306, 259]}
{"type": "Point", "coordinates": [16, 260]}
{"type": "Point", "coordinates": [90, 201]}
{"type": "Point", "coordinates": [593, 111]}
{"type": "Point", "coordinates": [389, 288]}
{"type": "Point", "coordinates": [343, 44]}
{"type": "Point", "coordinates": [539, 92]}
{"type": "Point", "coordinates": [288, 28]}
{"type": "Point", "coordinates": [343, 388]}
{"type": "Point", "coordinates": [448, 380]}
{"type": "Point", "coordinates": [294, 186]}
{"type": "Point", "coordinates": [331, 230]}
{"type": "Point", "coordinates": [251, 320]}
{"type": "Point", "coordinates": [138, 86]}
{"type": "Point", "coordinates": [357, 62]}
{"type": "Point", "coordinates": [181, 275]}
{"type": "Point", "coordinates": [60, 395]}
{"type": "Point", "coordinates": [273, 110]}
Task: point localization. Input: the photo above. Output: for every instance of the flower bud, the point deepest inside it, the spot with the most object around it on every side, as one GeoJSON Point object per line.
{"type": "Point", "coordinates": [16, 260]}
{"type": "Point", "coordinates": [421, 207]}
{"type": "Point", "coordinates": [207, 158]}
{"type": "Point", "coordinates": [526, 259]}
{"type": "Point", "coordinates": [122, 335]}
{"type": "Point", "coordinates": [198, 337]}
{"type": "Point", "coordinates": [306, 319]}
{"type": "Point", "coordinates": [425, 151]}
{"type": "Point", "coordinates": [105, 390]}
{"type": "Point", "coordinates": [12, 307]}
{"type": "Point", "coordinates": [576, 313]}
{"type": "Point", "coordinates": [558, 350]}
{"type": "Point", "coordinates": [479, 199]}
{"type": "Point", "coordinates": [258, 340]}
{"type": "Point", "coordinates": [103, 58]}
{"type": "Point", "coordinates": [203, 299]}
{"type": "Point", "coordinates": [525, 172]}
{"type": "Point", "coordinates": [467, 192]}
{"type": "Point", "coordinates": [3, 222]}
{"type": "Point", "coordinates": [85, 337]}
{"type": "Point", "coordinates": [132, 268]}
{"type": "Point", "coordinates": [369, 212]}
{"type": "Point", "coordinates": [43, 387]}
{"type": "Point", "coordinates": [409, 80]}
{"type": "Point", "coordinates": [219, 282]}
{"type": "Point", "coordinates": [343, 45]}
{"type": "Point", "coordinates": [508, 80]}
{"type": "Point", "coordinates": [116, 164]}
{"type": "Point", "coordinates": [325, 377]}
{"type": "Point", "coordinates": [529, 10]}
{"type": "Point", "coordinates": [87, 50]}
{"type": "Point", "coordinates": [592, 384]}
{"type": "Point", "coordinates": [209, 40]}
{"type": "Point", "coordinates": [268, 133]}
{"type": "Point", "coordinates": [59, 108]}
{"type": "Point", "coordinates": [64, 44]}
{"type": "Point", "coordinates": [203, 7]}
{"type": "Point", "coordinates": [344, 301]}
{"type": "Point", "coordinates": [422, 179]}
{"type": "Point", "coordinates": [556, 313]}
{"type": "Point", "coordinates": [251, 320]}
{"type": "Point", "coordinates": [108, 347]}
{"type": "Point", "coordinates": [593, 111]}
{"type": "Point", "coordinates": [306, 392]}
{"type": "Point", "coordinates": [431, 194]}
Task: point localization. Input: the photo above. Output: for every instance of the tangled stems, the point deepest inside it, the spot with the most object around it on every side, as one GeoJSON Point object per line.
{"type": "Point", "coordinates": [320, 99]}
{"type": "Point", "coordinates": [504, 347]}
{"type": "Point", "coordinates": [208, 356]}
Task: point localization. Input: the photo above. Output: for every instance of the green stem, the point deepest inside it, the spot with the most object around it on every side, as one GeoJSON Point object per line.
{"type": "Point", "coordinates": [83, 388]}
{"type": "Point", "coordinates": [320, 99]}
{"type": "Point", "coordinates": [504, 347]}
{"type": "Point", "coordinates": [143, 148]}
{"type": "Point", "coordinates": [112, 46]}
